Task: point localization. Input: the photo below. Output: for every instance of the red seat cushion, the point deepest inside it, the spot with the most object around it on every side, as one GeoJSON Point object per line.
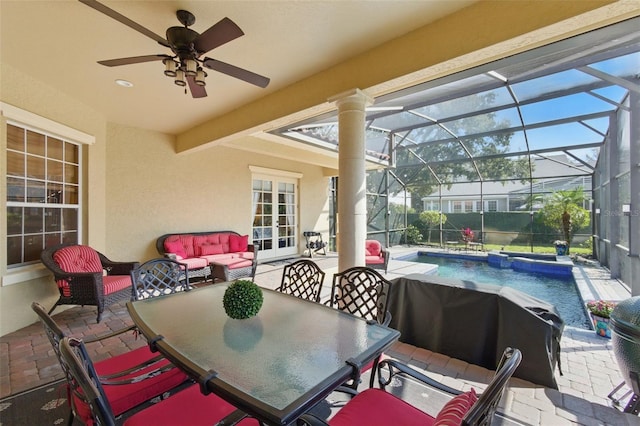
{"type": "Point", "coordinates": [234, 263]}
{"type": "Point", "coordinates": [188, 407]}
{"type": "Point", "coordinates": [113, 283]}
{"type": "Point", "coordinates": [375, 407]}
{"type": "Point", "coordinates": [124, 397]}
{"type": "Point", "coordinates": [194, 262]}
{"type": "Point", "coordinates": [373, 260]}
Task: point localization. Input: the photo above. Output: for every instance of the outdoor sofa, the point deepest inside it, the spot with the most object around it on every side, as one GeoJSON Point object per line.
{"type": "Point", "coordinates": [222, 255]}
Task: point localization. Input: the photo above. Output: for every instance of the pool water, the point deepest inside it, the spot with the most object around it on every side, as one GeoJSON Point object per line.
{"type": "Point", "coordinates": [561, 292]}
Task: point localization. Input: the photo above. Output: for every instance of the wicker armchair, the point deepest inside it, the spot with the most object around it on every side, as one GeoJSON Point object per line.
{"type": "Point", "coordinates": [376, 256]}
{"type": "Point", "coordinates": [78, 272]}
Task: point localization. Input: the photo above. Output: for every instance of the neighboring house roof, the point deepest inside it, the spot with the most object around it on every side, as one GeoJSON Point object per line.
{"type": "Point", "coordinates": [561, 171]}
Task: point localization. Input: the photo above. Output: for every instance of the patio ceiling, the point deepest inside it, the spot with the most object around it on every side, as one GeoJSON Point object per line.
{"type": "Point", "coordinates": [556, 99]}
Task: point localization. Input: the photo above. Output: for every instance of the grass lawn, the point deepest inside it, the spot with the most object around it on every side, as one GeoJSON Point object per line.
{"type": "Point", "coordinates": [582, 251]}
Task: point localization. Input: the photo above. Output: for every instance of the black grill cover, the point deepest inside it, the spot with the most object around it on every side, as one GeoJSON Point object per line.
{"type": "Point", "coordinates": [625, 324]}
{"type": "Point", "coordinates": [476, 322]}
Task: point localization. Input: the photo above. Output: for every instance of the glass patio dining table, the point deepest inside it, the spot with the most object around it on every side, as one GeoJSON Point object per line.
{"type": "Point", "coordinates": [274, 366]}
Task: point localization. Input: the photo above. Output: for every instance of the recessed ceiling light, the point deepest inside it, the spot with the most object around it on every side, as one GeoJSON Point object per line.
{"type": "Point", "coordinates": [124, 83]}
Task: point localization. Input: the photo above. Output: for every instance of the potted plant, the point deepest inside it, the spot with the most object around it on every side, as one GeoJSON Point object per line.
{"type": "Point", "coordinates": [242, 299]}
{"type": "Point", "coordinates": [561, 247]}
{"type": "Point", "coordinates": [467, 236]}
{"type": "Point", "coordinates": [600, 311]}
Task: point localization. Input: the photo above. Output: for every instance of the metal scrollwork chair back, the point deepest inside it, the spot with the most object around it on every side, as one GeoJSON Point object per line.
{"type": "Point", "coordinates": [363, 292]}
{"type": "Point", "coordinates": [158, 277]}
{"type": "Point", "coordinates": [302, 279]}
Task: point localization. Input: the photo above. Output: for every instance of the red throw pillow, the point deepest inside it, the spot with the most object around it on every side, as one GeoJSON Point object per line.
{"type": "Point", "coordinates": [175, 247]}
{"type": "Point", "coordinates": [238, 243]}
{"type": "Point", "coordinates": [454, 410]}
{"type": "Point", "coordinates": [211, 249]}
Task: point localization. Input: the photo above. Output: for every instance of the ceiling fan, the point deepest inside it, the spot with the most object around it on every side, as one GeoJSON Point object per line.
{"type": "Point", "coordinates": [185, 65]}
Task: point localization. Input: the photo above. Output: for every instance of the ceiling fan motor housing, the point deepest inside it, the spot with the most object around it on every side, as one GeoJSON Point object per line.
{"type": "Point", "coordinates": [182, 41]}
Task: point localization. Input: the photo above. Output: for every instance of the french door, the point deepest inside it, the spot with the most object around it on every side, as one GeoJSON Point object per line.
{"type": "Point", "coordinates": [275, 215]}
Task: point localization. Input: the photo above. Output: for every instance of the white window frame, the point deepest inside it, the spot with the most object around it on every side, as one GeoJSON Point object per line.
{"type": "Point", "coordinates": [21, 118]}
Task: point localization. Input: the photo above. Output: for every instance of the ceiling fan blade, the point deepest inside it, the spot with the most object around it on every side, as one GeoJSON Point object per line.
{"type": "Point", "coordinates": [218, 34]}
{"type": "Point", "coordinates": [197, 91]}
{"type": "Point", "coordinates": [236, 72]}
{"type": "Point", "coordinates": [124, 20]}
{"type": "Point", "coordinates": [132, 60]}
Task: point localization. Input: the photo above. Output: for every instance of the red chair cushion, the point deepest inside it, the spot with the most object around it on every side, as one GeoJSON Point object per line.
{"type": "Point", "coordinates": [113, 283]}
{"type": "Point", "coordinates": [454, 410]}
{"type": "Point", "coordinates": [238, 243]}
{"type": "Point", "coordinates": [372, 248]}
{"type": "Point", "coordinates": [124, 397]}
{"type": "Point", "coordinates": [175, 247]}
{"type": "Point", "coordinates": [76, 259]}
{"type": "Point", "coordinates": [375, 407]}
{"type": "Point", "coordinates": [188, 407]}
{"type": "Point", "coordinates": [209, 249]}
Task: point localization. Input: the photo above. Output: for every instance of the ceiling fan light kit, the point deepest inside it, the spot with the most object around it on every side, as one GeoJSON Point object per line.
{"type": "Point", "coordinates": [185, 65]}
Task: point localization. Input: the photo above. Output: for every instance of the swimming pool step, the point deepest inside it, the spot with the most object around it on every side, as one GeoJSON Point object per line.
{"type": "Point", "coordinates": [559, 268]}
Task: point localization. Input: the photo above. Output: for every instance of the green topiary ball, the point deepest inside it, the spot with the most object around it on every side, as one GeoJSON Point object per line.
{"type": "Point", "coordinates": [242, 299]}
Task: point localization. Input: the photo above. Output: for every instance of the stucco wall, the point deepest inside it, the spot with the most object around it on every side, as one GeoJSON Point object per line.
{"type": "Point", "coordinates": [151, 191]}
{"type": "Point", "coordinates": [138, 188]}
{"type": "Point", "coordinates": [20, 90]}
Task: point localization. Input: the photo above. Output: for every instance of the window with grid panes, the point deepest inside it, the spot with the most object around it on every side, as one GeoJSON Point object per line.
{"type": "Point", "coordinates": [43, 187]}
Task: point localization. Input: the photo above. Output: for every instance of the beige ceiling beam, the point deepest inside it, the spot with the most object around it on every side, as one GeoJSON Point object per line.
{"type": "Point", "coordinates": [480, 33]}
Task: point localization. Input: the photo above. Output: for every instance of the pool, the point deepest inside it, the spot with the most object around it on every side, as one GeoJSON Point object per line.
{"type": "Point", "coordinates": [560, 291]}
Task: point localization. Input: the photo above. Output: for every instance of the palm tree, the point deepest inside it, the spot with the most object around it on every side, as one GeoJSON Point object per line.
{"type": "Point", "coordinates": [566, 205]}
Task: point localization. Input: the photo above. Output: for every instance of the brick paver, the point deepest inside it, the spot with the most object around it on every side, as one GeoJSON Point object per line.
{"type": "Point", "coordinates": [589, 365]}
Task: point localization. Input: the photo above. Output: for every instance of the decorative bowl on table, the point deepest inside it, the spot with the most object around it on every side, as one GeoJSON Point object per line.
{"type": "Point", "coordinates": [242, 299]}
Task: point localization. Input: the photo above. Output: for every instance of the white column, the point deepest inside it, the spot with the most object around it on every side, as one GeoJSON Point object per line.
{"type": "Point", "coordinates": [352, 201]}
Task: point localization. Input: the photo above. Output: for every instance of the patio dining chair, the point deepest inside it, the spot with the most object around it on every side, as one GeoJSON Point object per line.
{"type": "Point", "coordinates": [302, 279]}
{"type": "Point", "coordinates": [363, 292]}
{"type": "Point", "coordinates": [186, 407]}
{"type": "Point", "coordinates": [376, 407]}
{"type": "Point", "coordinates": [130, 378]}
{"type": "Point", "coordinates": [158, 277]}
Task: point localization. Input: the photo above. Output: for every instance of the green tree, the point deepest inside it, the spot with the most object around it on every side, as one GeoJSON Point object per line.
{"type": "Point", "coordinates": [428, 156]}
{"type": "Point", "coordinates": [430, 219]}
{"type": "Point", "coordinates": [563, 212]}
